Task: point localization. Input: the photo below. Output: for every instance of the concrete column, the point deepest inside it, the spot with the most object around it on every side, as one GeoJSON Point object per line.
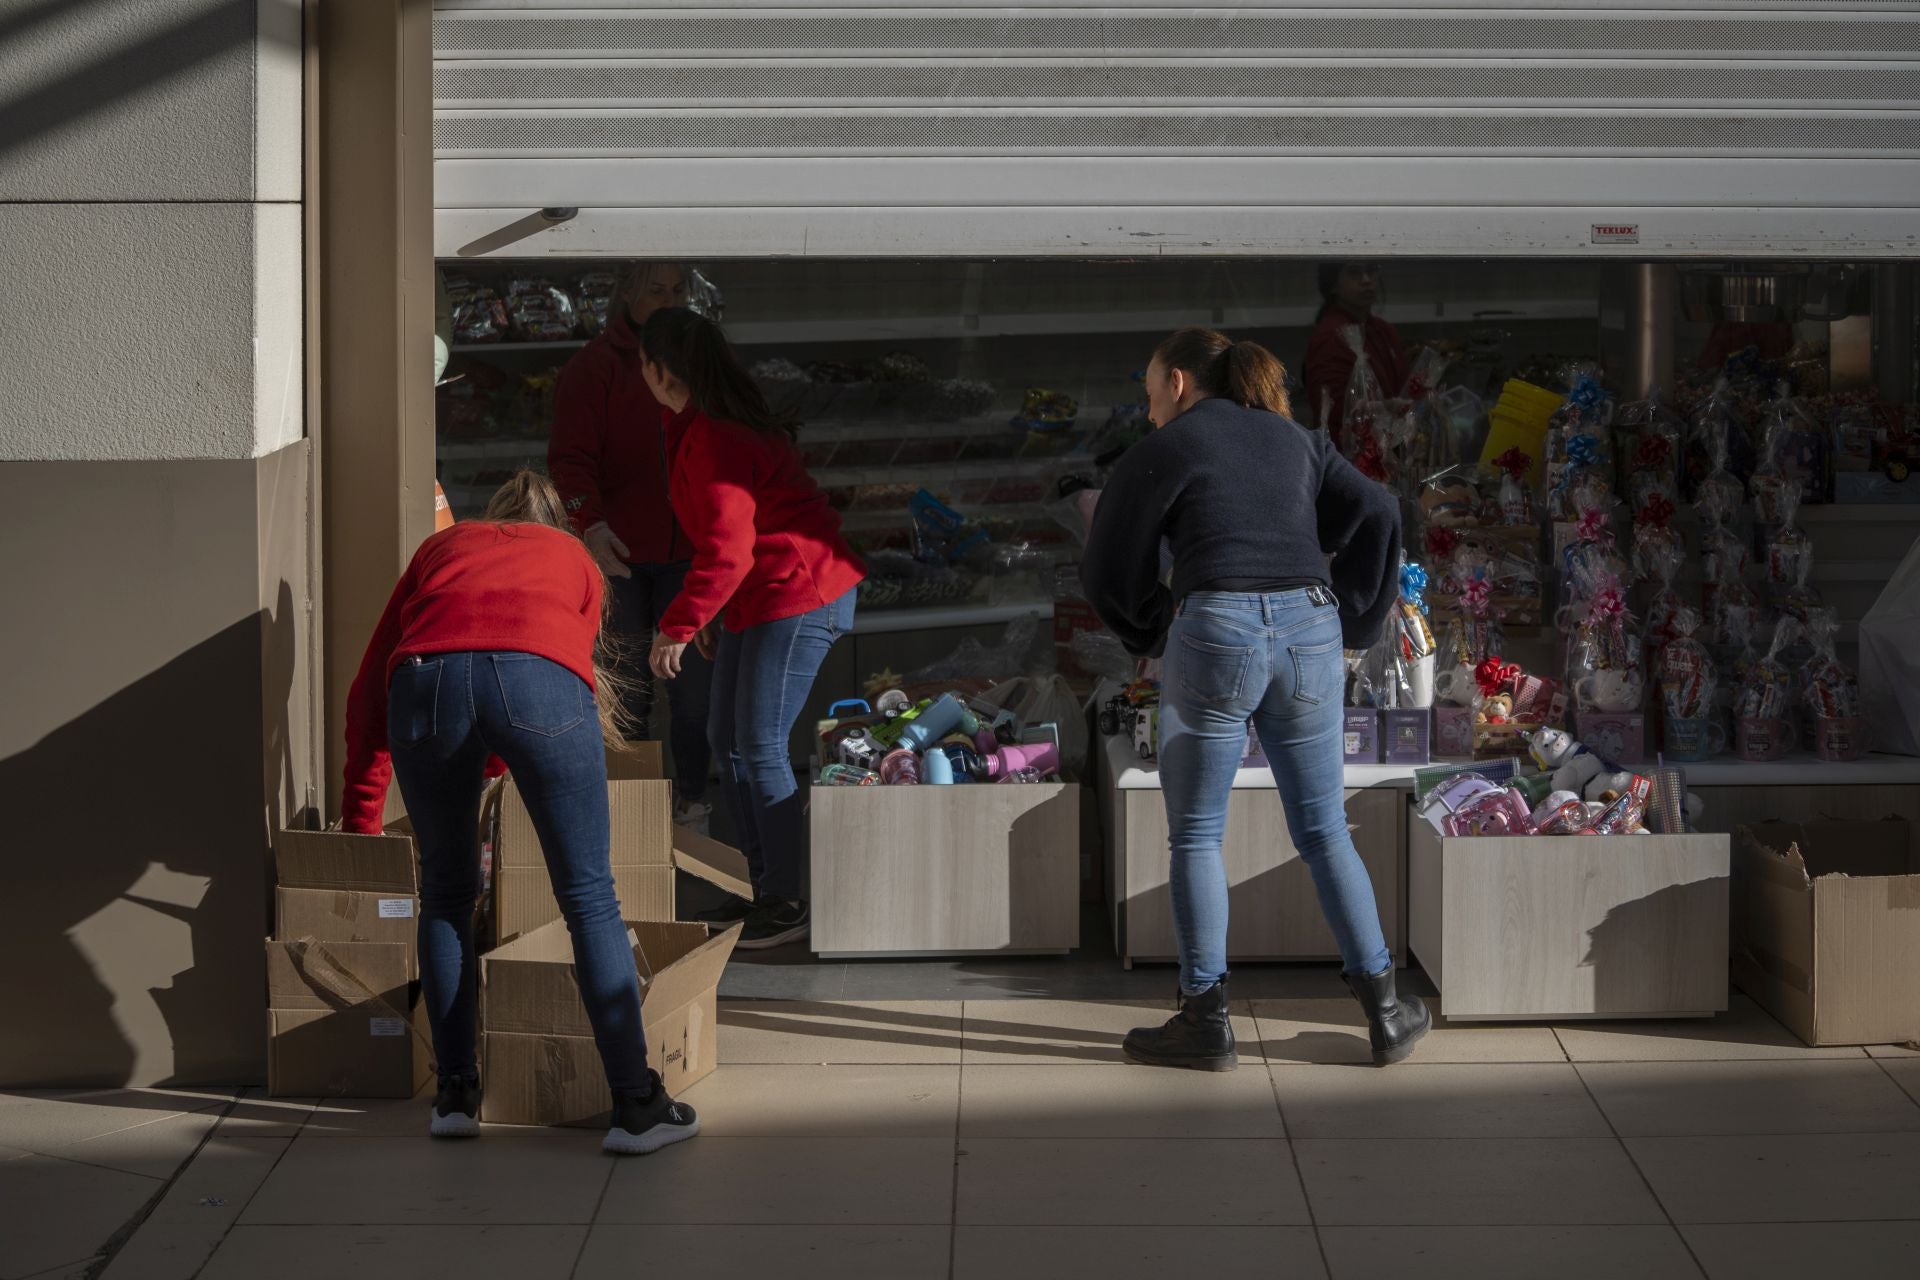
{"type": "Point", "coordinates": [1652, 296]}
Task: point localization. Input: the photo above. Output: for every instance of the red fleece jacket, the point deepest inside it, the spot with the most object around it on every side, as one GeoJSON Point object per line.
{"type": "Point", "coordinates": [608, 453]}
{"type": "Point", "coordinates": [1329, 364]}
{"type": "Point", "coordinates": [477, 587]}
{"type": "Point", "coordinates": [766, 544]}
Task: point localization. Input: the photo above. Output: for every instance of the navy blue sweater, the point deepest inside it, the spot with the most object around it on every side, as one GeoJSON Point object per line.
{"type": "Point", "coordinates": [1241, 494]}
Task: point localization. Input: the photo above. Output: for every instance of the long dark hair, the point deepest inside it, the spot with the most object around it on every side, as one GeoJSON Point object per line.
{"type": "Point", "coordinates": [1327, 277]}
{"type": "Point", "coordinates": [1244, 372]}
{"type": "Point", "coordinates": [695, 350]}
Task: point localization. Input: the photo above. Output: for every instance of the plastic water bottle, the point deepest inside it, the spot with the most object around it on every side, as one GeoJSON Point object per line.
{"type": "Point", "coordinates": [900, 769]}
{"type": "Point", "coordinates": [933, 724]}
{"type": "Point", "coordinates": [936, 769]}
{"type": "Point", "coordinates": [1040, 757]}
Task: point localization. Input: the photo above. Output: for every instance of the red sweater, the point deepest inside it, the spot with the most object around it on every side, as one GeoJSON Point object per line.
{"type": "Point", "coordinates": [1330, 364]}
{"type": "Point", "coordinates": [476, 587]}
{"type": "Point", "coordinates": [766, 544]}
{"type": "Point", "coordinates": [607, 453]}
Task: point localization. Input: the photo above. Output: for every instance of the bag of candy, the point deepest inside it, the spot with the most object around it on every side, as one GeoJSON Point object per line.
{"type": "Point", "coordinates": [1650, 432]}
{"type": "Point", "coordinates": [1605, 666]}
{"type": "Point", "coordinates": [1829, 693]}
{"type": "Point", "coordinates": [1687, 685]}
{"type": "Point", "coordinates": [1411, 642]}
{"type": "Point", "coordinates": [1793, 447]}
{"type": "Point", "coordinates": [540, 310]}
{"type": "Point", "coordinates": [1361, 432]}
{"type": "Point", "coordinates": [1718, 439]}
{"type": "Point", "coordinates": [1516, 500]}
{"type": "Point", "coordinates": [1763, 704]}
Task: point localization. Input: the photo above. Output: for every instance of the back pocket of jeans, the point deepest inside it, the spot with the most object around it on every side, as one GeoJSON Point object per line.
{"type": "Point", "coordinates": [413, 699]}
{"type": "Point", "coordinates": [1316, 671]}
{"type": "Point", "coordinates": [540, 696]}
{"type": "Point", "coordinates": [1213, 673]}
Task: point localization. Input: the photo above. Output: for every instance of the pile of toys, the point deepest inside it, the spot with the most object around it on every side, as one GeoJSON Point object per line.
{"type": "Point", "coordinates": [1134, 714]}
{"type": "Point", "coordinates": [1559, 788]}
{"type": "Point", "coordinates": [939, 741]}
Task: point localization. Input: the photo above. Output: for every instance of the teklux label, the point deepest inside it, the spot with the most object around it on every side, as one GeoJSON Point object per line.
{"type": "Point", "coordinates": [1616, 233]}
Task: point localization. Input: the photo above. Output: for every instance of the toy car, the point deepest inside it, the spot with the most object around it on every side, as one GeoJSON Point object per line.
{"type": "Point", "coordinates": [1146, 731]}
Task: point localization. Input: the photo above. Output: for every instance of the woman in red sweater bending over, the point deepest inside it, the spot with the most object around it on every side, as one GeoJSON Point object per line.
{"type": "Point", "coordinates": [487, 649]}
{"type": "Point", "coordinates": [769, 563]}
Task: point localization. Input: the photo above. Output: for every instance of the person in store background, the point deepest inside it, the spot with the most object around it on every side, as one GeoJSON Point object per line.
{"type": "Point", "coordinates": [1348, 294]}
{"type": "Point", "coordinates": [1283, 553]}
{"type": "Point", "coordinates": [487, 650]}
{"type": "Point", "coordinates": [771, 568]}
{"type": "Point", "coordinates": [608, 457]}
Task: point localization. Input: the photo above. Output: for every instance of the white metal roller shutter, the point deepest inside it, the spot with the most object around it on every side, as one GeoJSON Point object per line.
{"type": "Point", "coordinates": [1511, 126]}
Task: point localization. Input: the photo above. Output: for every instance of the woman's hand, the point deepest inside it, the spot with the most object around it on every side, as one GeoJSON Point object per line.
{"type": "Point", "coordinates": [608, 550]}
{"type": "Point", "coordinates": [665, 658]}
{"type": "Point", "coordinates": [707, 641]}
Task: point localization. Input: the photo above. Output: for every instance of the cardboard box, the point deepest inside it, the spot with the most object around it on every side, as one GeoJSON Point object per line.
{"type": "Point", "coordinates": [644, 850]}
{"type": "Point", "coordinates": [537, 1053]}
{"type": "Point", "coordinates": [341, 1022]}
{"type": "Point", "coordinates": [1360, 735]}
{"type": "Point", "coordinates": [1619, 736]}
{"type": "Point", "coordinates": [337, 887]}
{"type": "Point", "coordinates": [1406, 737]}
{"type": "Point", "coordinates": [1453, 732]}
{"type": "Point", "coordinates": [1826, 928]}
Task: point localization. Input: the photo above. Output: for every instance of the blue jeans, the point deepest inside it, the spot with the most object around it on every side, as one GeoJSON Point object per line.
{"type": "Point", "coordinates": [1274, 660]}
{"type": "Point", "coordinates": [444, 714]}
{"type": "Point", "coordinates": [761, 679]}
{"type": "Point", "coordinates": [639, 603]}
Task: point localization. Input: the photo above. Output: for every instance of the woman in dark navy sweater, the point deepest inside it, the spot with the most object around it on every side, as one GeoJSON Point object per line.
{"type": "Point", "coordinates": [1283, 554]}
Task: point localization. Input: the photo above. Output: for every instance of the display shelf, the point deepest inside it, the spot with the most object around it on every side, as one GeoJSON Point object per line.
{"type": "Point", "coordinates": [475, 348]}
{"type": "Point", "coordinates": [941, 472]}
{"type": "Point", "coordinates": [1130, 773]}
{"type": "Point", "coordinates": [493, 450]}
{"type": "Point", "coordinates": [1820, 513]}
{"type": "Point", "coordinates": [1161, 320]}
{"type": "Point", "coordinates": [882, 621]}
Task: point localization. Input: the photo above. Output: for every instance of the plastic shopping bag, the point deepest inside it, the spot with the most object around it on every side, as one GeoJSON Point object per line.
{"type": "Point", "coordinates": [1890, 662]}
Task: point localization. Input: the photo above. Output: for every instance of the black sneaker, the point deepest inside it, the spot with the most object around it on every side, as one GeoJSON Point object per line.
{"type": "Point", "coordinates": [456, 1108]}
{"type": "Point", "coordinates": [644, 1123]}
{"type": "Point", "coordinates": [774, 922]}
{"type": "Point", "coordinates": [732, 911]}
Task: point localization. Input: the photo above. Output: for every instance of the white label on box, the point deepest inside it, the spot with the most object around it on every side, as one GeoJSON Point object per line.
{"type": "Point", "coordinates": [386, 1026]}
{"type": "Point", "coordinates": [396, 908]}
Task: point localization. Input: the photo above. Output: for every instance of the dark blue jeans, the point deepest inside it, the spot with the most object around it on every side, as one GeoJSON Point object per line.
{"type": "Point", "coordinates": [445, 713]}
{"type": "Point", "coordinates": [761, 680]}
{"type": "Point", "coordinates": [639, 603]}
{"type": "Point", "coordinates": [1274, 660]}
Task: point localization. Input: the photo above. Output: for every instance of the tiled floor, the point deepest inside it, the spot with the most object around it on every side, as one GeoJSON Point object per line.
{"type": "Point", "coordinates": [1004, 1138]}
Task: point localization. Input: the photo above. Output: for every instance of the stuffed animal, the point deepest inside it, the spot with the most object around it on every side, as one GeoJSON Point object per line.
{"type": "Point", "coordinates": [1606, 786]}
{"type": "Point", "coordinates": [1497, 709]}
{"type": "Point", "coordinates": [1571, 764]}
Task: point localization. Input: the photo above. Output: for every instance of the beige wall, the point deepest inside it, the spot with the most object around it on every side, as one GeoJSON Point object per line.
{"type": "Point", "coordinates": [156, 506]}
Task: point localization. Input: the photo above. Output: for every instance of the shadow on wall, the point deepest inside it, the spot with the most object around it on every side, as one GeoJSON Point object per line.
{"type": "Point", "coordinates": [134, 892]}
{"type": "Point", "coordinates": [122, 72]}
{"type": "Point", "coordinates": [1665, 951]}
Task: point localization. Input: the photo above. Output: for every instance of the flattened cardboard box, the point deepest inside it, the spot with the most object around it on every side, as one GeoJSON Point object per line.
{"type": "Point", "coordinates": [340, 1022]}
{"type": "Point", "coordinates": [1826, 928]}
{"type": "Point", "coordinates": [538, 1057]}
{"type": "Point", "coordinates": [337, 887]}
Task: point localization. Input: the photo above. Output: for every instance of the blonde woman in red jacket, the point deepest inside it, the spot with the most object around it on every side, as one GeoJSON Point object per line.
{"type": "Point", "coordinates": [487, 649]}
{"type": "Point", "coordinates": [770, 589]}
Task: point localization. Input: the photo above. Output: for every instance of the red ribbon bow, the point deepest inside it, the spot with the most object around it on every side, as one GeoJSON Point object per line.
{"type": "Point", "coordinates": [1441, 542]}
{"type": "Point", "coordinates": [1514, 462]}
{"type": "Point", "coordinates": [1494, 676]}
{"type": "Point", "coordinates": [1477, 596]}
{"type": "Point", "coordinates": [1654, 451]}
{"type": "Point", "coordinates": [1656, 511]}
{"type": "Point", "coordinates": [1593, 526]}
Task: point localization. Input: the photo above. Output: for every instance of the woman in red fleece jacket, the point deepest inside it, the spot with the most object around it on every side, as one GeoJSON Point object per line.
{"type": "Point", "coordinates": [608, 459]}
{"type": "Point", "coordinates": [487, 648]}
{"type": "Point", "coordinates": [770, 564]}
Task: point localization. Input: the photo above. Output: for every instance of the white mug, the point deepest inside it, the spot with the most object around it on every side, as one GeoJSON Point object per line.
{"type": "Point", "coordinates": [1610, 690]}
{"type": "Point", "coordinates": [1456, 685]}
{"type": "Point", "coordinates": [1420, 682]}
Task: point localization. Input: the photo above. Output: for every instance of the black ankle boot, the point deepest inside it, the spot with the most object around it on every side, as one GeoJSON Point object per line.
{"type": "Point", "coordinates": [1199, 1036]}
{"type": "Point", "coordinates": [1394, 1022]}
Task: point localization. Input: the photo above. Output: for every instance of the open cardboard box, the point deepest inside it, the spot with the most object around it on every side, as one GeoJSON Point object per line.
{"type": "Point", "coordinates": [645, 848]}
{"type": "Point", "coordinates": [1826, 928]}
{"type": "Point", "coordinates": [537, 1052]}
{"type": "Point", "coordinates": [339, 887]}
{"type": "Point", "coordinates": [341, 1022]}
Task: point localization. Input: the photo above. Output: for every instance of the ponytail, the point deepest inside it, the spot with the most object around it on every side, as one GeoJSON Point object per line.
{"type": "Point", "coordinates": [1244, 372]}
{"type": "Point", "coordinates": [695, 350]}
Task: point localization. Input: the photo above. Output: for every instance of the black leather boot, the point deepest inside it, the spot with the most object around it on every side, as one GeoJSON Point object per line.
{"type": "Point", "coordinates": [1394, 1022]}
{"type": "Point", "coordinates": [1199, 1036]}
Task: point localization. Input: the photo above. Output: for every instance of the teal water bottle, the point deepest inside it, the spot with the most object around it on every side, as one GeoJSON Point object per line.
{"type": "Point", "coordinates": [936, 769]}
{"type": "Point", "coordinates": [933, 724]}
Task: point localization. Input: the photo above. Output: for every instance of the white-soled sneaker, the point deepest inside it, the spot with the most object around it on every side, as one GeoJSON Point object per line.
{"type": "Point", "coordinates": [456, 1108]}
{"type": "Point", "coordinates": [642, 1124]}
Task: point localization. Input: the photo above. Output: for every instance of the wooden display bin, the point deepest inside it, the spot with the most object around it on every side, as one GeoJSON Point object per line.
{"type": "Point", "coordinates": [1565, 927]}
{"type": "Point", "coordinates": [958, 870]}
{"type": "Point", "coordinates": [1273, 911]}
